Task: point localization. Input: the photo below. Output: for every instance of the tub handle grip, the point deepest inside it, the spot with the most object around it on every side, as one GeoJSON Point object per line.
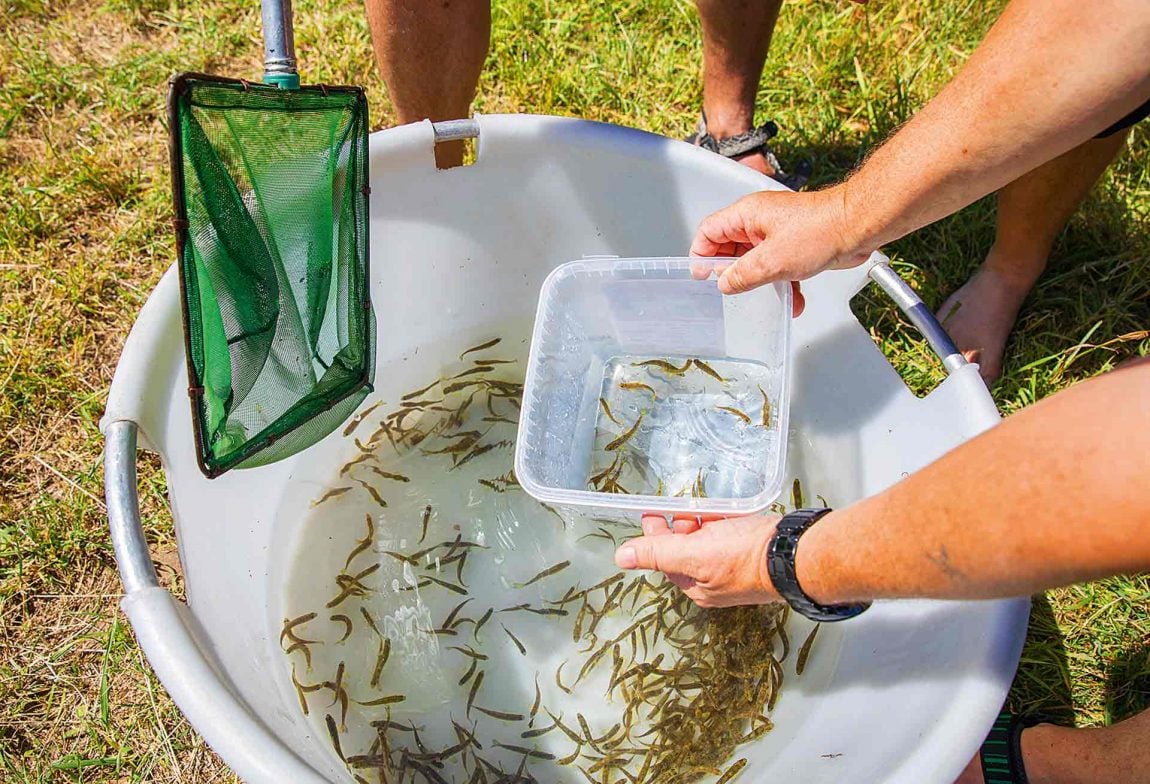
{"type": "Point", "coordinates": [919, 314]}
{"type": "Point", "coordinates": [164, 630]}
{"type": "Point", "coordinates": [132, 556]}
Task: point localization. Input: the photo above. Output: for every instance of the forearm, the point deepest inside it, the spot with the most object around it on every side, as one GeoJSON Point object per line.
{"type": "Point", "coordinates": [1057, 494]}
{"type": "Point", "coordinates": [1050, 75]}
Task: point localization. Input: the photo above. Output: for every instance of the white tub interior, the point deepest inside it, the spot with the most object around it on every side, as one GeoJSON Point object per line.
{"type": "Point", "coordinates": [904, 693]}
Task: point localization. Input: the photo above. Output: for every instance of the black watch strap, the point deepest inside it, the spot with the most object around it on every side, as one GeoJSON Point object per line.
{"type": "Point", "coordinates": [781, 555]}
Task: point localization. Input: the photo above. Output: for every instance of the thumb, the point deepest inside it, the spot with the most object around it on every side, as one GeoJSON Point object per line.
{"type": "Point", "coordinates": [751, 270]}
{"type": "Point", "coordinates": [659, 553]}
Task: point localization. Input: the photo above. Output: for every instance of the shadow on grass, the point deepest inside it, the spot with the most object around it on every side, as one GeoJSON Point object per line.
{"type": "Point", "coordinates": [1128, 684]}
{"type": "Point", "coordinates": [1042, 684]}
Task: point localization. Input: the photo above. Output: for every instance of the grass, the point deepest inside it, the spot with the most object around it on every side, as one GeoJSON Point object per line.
{"type": "Point", "coordinates": [84, 236]}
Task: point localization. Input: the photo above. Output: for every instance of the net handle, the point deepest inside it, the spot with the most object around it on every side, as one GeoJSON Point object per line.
{"type": "Point", "coordinates": [279, 44]}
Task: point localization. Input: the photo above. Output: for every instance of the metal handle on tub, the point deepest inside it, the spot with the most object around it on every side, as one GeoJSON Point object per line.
{"type": "Point", "coordinates": [132, 556]}
{"type": "Point", "coordinates": [919, 314]}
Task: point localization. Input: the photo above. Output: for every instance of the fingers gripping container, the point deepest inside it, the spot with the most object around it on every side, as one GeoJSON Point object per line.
{"type": "Point", "coordinates": [649, 390]}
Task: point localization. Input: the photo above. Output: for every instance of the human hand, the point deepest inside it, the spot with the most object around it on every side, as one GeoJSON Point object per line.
{"type": "Point", "coordinates": [719, 562]}
{"type": "Point", "coordinates": [780, 235]}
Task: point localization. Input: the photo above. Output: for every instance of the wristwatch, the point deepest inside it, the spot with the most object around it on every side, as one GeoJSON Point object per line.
{"type": "Point", "coordinates": [781, 554]}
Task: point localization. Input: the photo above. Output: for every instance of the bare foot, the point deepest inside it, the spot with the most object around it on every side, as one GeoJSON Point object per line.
{"type": "Point", "coordinates": [981, 314]}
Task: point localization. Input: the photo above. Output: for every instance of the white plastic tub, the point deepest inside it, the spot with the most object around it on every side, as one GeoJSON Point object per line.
{"type": "Point", "coordinates": [905, 693]}
{"type": "Point", "coordinates": [601, 323]}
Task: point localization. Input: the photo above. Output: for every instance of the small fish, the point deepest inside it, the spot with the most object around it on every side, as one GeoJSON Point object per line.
{"type": "Point", "coordinates": [797, 494]}
{"type": "Point", "coordinates": [500, 714]}
{"type": "Point", "coordinates": [350, 465]}
{"type": "Point", "coordinates": [426, 519]}
{"type": "Point", "coordinates": [514, 639]}
{"type": "Point", "coordinates": [699, 490]}
{"type": "Point", "coordinates": [482, 620]}
{"type": "Point", "coordinates": [471, 372]}
{"type": "Point", "coordinates": [333, 734]}
{"type": "Point", "coordinates": [549, 571]}
{"type": "Point", "coordinates": [525, 751]}
{"type": "Point", "coordinates": [710, 371]}
{"type": "Point", "coordinates": [351, 585]}
{"type": "Point", "coordinates": [607, 410]}
{"type": "Point", "coordinates": [391, 476]}
{"type": "Point", "coordinates": [538, 699]}
{"type": "Point", "coordinates": [288, 631]}
{"type": "Point", "coordinates": [481, 347]}
{"type": "Point", "coordinates": [474, 690]}
{"type": "Point", "coordinates": [500, 419]}
{"type": "Point", "coordinates": [335, 492]}
{"type": "Point", "coordinates": [418, 392]}
{"type": "Point", "coordinates": [363, 543]}
{"type": "Point", "coordinates": [625, 437]}
{"type": "Point", "coordinates": [370, 622]}
{"type": "Point", "coordinates": [470, 671]}
{"type": "Point", "coordinates": [559, 678]}
{"type": "Point", "coordinates": [786, 641]}
{"type": "Point", "coordinates": [766, 415]}
{"type": "Point", "coordinates": [731, 772]}
{"type": "Point", "coordinates": [302, 691]}
{"type": "Point", "coordinates": [461, 385]}
{"type": "Point", "coordinates": [538, 732]}
{"type": "Point", "coordinates": [370, 488]}
{"type": "Point", "coordinates": [380, 660]}
{"type": "Point", "coordinates": [347, 626]}
{"type": "Point", "coordinates": [390, 699]}
{"type": "Point", "coordinates": [632, 386]}
{"type": "Point", "coordinates": [665, 366]}
{"type": "Point", "coordinates": [736, 412]}
{"type": "Point", "coordinates": [468, 651]}
{"type": "Point", "coordinates": [805, 650]}
{"type": "Point", "coordinates": [355, 421]}
{"type": "Point", "coordinates": [447, 622]}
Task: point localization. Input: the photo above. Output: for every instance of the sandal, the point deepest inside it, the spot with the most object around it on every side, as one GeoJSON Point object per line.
{"type": "Point", "coordinates": [754, 140]}
{"type": "Point", "coordinates": [1001, 753]}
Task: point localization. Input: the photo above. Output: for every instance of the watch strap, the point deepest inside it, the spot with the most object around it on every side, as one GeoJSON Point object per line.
{"type": "Point", "coordinates": [781, 555]}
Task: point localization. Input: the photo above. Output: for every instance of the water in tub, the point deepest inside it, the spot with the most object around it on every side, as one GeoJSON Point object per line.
{"type": "Point", "coordinates": [440, 625]}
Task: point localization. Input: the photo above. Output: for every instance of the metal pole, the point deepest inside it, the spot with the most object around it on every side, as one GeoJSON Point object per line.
{"type": "Point", "coordinates": [919, 315]}
{"type": "Point", "coordinates": [132, 555]}
{"type": "Point", "coordinates": [279, 44]}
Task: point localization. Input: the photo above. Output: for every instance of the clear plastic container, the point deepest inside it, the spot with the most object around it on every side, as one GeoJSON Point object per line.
{"type": "Point", "coordinates": [648, 390]}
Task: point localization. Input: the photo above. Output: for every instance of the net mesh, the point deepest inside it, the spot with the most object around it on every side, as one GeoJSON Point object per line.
{"type": "Point", "coordinates": [270, 189]}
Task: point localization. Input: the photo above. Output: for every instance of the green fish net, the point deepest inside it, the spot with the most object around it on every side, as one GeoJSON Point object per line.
{"type": "Point", "coordinates": [270, 190]}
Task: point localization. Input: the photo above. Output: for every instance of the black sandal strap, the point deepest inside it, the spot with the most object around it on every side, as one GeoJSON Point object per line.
{"type": "Point", "coordinates": [1001, 753]}
{"type": "Point", "coordinates": [754, 140]}
{"type": "Point", "coordinates": [738, 145]}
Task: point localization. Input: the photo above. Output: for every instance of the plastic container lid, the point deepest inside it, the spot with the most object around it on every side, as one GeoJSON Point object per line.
{"type": "Point", "coordinates": [649, 390]}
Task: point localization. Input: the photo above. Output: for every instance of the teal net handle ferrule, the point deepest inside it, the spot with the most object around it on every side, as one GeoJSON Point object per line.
{"type": "Point", "coordinates": [279, 44]}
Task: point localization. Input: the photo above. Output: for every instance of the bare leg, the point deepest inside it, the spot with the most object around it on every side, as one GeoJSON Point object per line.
{"type": "Point", "coordinates": [736, 37]}
{"type": "Point", "coordinates": [430, 55]}
{"type": "Point", "coordinates": [1032, 211]}
{"type": "Point", "coordinates": [1118, 754]}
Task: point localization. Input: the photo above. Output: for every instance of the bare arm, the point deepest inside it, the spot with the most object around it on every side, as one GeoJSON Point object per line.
{"type": "Point", "coordinates": [1050, 75]}
{"type": "Point", "coordinates": [1059, 493]}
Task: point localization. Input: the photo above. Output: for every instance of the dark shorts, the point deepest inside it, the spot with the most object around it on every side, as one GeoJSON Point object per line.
{"type": "Point", "coordinates": [1141, 113]}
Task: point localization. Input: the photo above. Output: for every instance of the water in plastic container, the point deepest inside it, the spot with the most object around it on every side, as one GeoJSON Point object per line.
{"type": "Point", "coordinates": [648, 389]}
